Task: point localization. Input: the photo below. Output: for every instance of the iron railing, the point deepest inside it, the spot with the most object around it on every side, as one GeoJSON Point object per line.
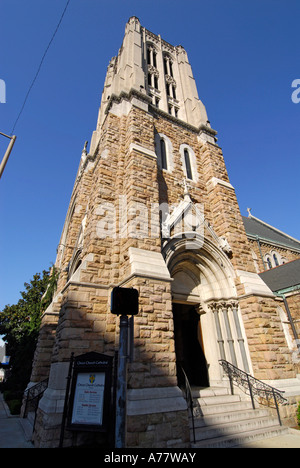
{"type": "Point", "coordinates": [33, 395]}
{"type": "Point", "coordinates": [255, 387]}
{"type": "Point", "coordinates": [189, 399]}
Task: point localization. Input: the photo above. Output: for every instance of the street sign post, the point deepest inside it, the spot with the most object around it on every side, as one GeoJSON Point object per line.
{"type": "Point", "coordinates": [124, 302]}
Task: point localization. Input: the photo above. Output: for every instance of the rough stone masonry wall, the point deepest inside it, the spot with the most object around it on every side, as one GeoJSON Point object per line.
{"type": "Point", "coordinates": [293, 301]}
{"type": "Point", "coordinates": [271, 358]}
{"type": "Point", "coordinates": [85, 322]}
{"type": "Point", "coordinates": [154, 362]}
{"type": "Point", "coordinates": [158, 430]}
{"type": "Point", "coordinates": [47, 335]}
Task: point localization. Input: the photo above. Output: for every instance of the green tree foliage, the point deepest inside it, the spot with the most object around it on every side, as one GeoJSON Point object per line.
{"type": "Point", "coordinates": [20, 325]}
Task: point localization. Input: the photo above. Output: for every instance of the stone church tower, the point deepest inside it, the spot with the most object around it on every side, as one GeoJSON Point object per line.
{"type": "Point", "coordinates": [153, 208]}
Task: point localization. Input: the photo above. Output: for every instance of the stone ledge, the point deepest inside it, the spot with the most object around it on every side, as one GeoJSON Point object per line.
{"type": "Point", "coordinates": [253, 284]}
{"type": "Point", "coordinates": [142, 149]}
{"type": "Point", "coordinates": [148, 263]}
{"type": "Point", "coordinates": [155, 400]}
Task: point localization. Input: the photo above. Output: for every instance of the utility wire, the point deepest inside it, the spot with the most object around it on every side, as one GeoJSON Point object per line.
{"type": "Point", "coordinates": [40, 65]}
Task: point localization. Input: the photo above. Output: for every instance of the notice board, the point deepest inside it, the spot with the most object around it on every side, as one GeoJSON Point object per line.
{"type": "Point", "coordinates": [90, 396]}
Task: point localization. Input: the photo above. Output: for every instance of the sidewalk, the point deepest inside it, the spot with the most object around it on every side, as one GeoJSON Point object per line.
{"type": "Point", "coordinates": [289, 440]}
{"type": "Point", "coordinates": [12, 434]}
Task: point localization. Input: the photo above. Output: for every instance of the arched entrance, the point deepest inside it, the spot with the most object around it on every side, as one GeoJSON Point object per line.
{"type": "Point", "coordinates": [189, 348]}
{"type": "Point", "coordinates": [207, 322]}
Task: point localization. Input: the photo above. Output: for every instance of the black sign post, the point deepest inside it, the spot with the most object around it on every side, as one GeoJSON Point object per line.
{"type": "Point", "coordinates": [124, 302]}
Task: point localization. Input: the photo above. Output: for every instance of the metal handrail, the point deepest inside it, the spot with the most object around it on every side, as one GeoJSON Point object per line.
{"type": "Point", "coordinates": [256, 387]}
{"type": "Point", "coordinates": [34, 393]}
{"type": "Point", "coordinates": [189, 399]}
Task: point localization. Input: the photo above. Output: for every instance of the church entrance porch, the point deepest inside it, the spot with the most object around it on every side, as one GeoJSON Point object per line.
{"type": "Point", "coordinates": [207, 318]}
{"type": "Point", "coordinates": [190, 356]}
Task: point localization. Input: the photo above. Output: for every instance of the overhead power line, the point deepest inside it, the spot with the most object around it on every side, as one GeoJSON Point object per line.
{"type": "Point", "coordinates": [40, 65]}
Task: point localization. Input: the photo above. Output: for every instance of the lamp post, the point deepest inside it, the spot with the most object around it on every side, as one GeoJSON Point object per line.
{"type": "Point", "coordinates": [7, 152]}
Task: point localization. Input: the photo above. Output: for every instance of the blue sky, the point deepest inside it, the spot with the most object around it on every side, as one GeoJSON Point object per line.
{"type": "Point", "coordinates": [244, 56]}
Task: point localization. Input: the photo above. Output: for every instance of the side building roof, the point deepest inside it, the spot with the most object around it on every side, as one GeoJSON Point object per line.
{"type": "Point", "coordinates": [283, 277]}
{"type": "Point", "coordinates": [255, 228]}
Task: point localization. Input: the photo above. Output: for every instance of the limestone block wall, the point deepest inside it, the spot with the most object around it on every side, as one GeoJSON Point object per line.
{"type": "Point", "coordinates": [271, 358]}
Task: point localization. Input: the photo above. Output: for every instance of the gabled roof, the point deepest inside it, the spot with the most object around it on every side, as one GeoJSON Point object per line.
{"type": "Point", "coordinates": [283, 277]}
{"type": "Point", "coordinates": [255, 228]}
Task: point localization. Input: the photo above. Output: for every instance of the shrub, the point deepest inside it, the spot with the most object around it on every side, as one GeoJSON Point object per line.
{"type": "Point", "coordinates": [14, 406]}
{"type": "Point", "coordinates": [13, 400]}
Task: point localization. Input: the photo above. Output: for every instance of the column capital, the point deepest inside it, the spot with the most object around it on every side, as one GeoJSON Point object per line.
{"type": "Point", "coordinates": [199, 309]}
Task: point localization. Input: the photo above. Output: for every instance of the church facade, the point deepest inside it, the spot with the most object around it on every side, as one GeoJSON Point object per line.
{"type": "Point", "coordinates": [153, 208]}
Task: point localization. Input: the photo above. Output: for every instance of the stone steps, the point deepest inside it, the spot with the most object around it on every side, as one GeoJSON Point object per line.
{"type": "Point", "coordinates": [27, 425]}
{"type": "Point", "coordinates": [223, 420]}
{"type": "Point", "coordinates": [290, 387]}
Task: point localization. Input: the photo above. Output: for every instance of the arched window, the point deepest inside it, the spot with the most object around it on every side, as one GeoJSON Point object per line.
{"type": "Point", "coordinates": [153, 73]}
{"type": "Point", "coordinates": [164, 151]}
{"type": "Point", "coordinates": [168, 65]}
{"type": "Point", "coordinates": [163, 154]}
{"type": "Point", "coordinates": [151, 56]}
{"type": "Point", "coordinates": [75, 262]}
{"type": "Point", "coordinates": [269, 263]}
{"type": "Point", "coordinates": [275, 259]}
{"type": "Point", "coordinates": [188, 167]}
{"type": "Point", "coordinates": [189, 162]}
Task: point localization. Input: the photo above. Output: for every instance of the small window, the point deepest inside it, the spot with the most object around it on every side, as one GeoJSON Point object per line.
{"type": "Point", "coordinates": [154, 59]}
{"type": "Point", "coordinates": [188, 164]}
{"type": "Point", "coordinates": [269, 263]}
{"type": "Point", "coordinates": [165, 66]}
{"type": "Point", "coordinates": [151, 56]}
{"type": "Point", "coordinates": [164, 151]}
{"type": "Point", "coordinates": [148, 56]}
{"type": "Point", "coordinates": [163, 154]}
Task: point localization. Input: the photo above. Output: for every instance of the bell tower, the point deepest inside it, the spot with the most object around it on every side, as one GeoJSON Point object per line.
{"type": "Point", "coordinates": [152, 208]}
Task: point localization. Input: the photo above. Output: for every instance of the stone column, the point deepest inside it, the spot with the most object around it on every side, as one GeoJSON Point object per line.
{"type": "Point", "coordinates": [215, 310]}
{"type": "Point", "coordinates": [230, 340]}
{"type": "Point", "coordinates": [240, 339]}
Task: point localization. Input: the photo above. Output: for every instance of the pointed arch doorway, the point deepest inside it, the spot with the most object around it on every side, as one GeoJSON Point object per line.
{"type": "Point", "coordinates": [189, 348]}
{"type": "Point", "coordinates": [207, 322]}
